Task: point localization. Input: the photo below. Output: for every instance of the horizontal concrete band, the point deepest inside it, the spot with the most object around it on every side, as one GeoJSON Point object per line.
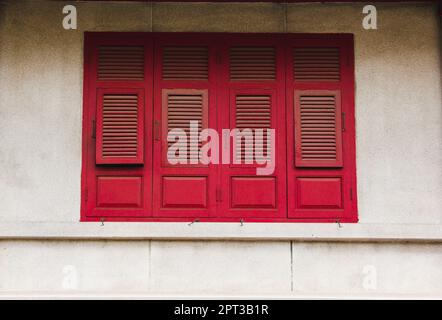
{"type": "Point", "coordinates": [222, 231]}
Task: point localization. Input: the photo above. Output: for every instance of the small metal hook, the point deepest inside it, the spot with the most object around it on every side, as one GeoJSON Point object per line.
{"type": "Point", "coordinates": [102, 222]}
{"type": "Point", "coordinates": [242, 222]}
{"type": "Point", "coordinates": [196, 220]}
{"type": "Point", "coordinates": [339, 224]}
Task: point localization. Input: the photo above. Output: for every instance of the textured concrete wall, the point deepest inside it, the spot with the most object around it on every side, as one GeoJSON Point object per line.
{"type": "Point", "coordinates": [143, 268]}
{"type": "Point", "coordinates": [399, 156]}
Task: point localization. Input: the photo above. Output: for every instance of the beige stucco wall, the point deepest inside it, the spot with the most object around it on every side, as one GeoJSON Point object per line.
{"type": "Point", "coordinates": [399, 161]}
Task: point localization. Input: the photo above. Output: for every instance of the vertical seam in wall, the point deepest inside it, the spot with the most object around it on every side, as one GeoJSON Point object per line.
{"type": "Point", "coordinates": [149, 263]}
{"type": "Point", "coordinates": [291, 266]}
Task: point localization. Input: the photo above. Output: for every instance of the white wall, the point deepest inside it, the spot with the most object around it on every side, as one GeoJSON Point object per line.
{"type": "Point", "coordinates": [399, 157]}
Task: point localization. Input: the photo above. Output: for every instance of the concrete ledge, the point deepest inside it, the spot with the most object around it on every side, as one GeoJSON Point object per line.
{"type": "Point", "coordinates": [221, 231]}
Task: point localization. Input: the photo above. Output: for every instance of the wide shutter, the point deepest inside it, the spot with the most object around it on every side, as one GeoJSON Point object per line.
{"type": "Point", "coordinates": [320, 119]}
{"type": "Point", "coordinates": [118, 124]}
{"type": "Point", "coordinates": [184, 96]}
{"type": "Point", "coordinates": [252, 104]}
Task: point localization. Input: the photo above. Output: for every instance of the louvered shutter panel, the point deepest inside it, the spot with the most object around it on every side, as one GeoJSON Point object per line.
{"type": "Point", "coordinates": [120, 126]}
{"type": "Point", "coordinates": [252, 63]}
{"type": "Point", "coordinates": [251, 102]}
{"type": "Point", "coordinates": [316, 64]}
{"type": "Point", "coordinates": [122, 62]}
{"type": "Point", "coordinates": [321, 183]}
{"type": "Point", "coordinates": [184, 93]}
{"type": "Point", "coordinates": [252, 112]}
{"type": "Point", "coordinates": [181, 108]}
{"type": "Point", "coordinates": [185, 63]}
{"type": "Point", "coordinates": [318, 131]}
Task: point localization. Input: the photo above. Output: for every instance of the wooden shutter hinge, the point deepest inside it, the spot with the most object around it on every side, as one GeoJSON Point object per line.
{"type": "Point", "coordinates": [351, 194]}
{"type": "Point", "coordinates": [156, 125]}
{"type": "Point", "coordinates": [94, 129]}
{"type": "Point", "coordinates": [218, 195]}
{"type": "Point", "coordinates": [343, 121]}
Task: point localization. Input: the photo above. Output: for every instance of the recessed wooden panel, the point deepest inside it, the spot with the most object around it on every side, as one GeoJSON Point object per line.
{"type": "Point", "coordinates": [320, 193]}
{"type": "Point", "coordinates": [184, 192]}
{"type": "Point", "coordinates": [119, 192]}
{"type": "Point", "coordinates": [253, 192]}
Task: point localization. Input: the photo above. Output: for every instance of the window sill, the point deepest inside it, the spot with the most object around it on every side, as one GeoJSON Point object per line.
{"type": "Point", "coordinates": [359, 232]}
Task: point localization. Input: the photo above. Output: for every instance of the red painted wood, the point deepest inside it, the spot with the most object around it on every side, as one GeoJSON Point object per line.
{"type": "Point", "coordinates": [119, 192]}
{"type": "Point", "coordinates": [304, 175]}
{"type": "Point", "coordinates": [256, 81]}
{"type": "Point", "coordinates": [171, 194]}
{"type": "Point", "coordinates": [318, 128]}
{"type": "Point", "coordinates": [228, 192]}
{"type": "Point", "coordinates": [128, 180]}
{"type": "Point", "coordinates": [118, 124]}
{"type": "Point", "coordinates": [194, 195]}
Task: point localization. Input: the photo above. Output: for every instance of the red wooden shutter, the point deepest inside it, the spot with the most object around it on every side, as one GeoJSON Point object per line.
{"type": "Point", "coordinates": [252, 97]}
{"type": "Point", "coordinates": [120, 126]}
{"type": "Point", "coordinates": [318, 138]}
{"type": "Point", "coordinates": [117, 127]}
{"type": "Point", "coordinates": [184, 92]}
{"type": "Point", "coordinates": [320, 119]}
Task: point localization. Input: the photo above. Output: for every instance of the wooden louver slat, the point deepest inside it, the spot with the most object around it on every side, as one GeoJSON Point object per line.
{"type": "Point", "coordinates": [252, 63]}
{"type": "Point", "coordinates": [318, 129]}
{"type": "Point", "coordinates": [183, 107]}
{"type": "Point", "coordinates": [252, 112]}
{"type": "Point", "coordinates": [119, 129]}
{"type": "Point", "coordinates": [185, 63]}
{"type": "Point", "coordinates": [120, 63]}
{"type": "Point", "coordinates": [316, 64]}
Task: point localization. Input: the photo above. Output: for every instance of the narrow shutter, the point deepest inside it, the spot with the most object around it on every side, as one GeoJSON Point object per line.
{"type": "Point", "coordinates": [185, 94]}
{"type": "Point", "coordinates": [251, 102]}
{"type": "Point", "coordinates": [120, 126]}
{"type": "Point", "coordinates": [318, 139]}
{"type": "Point", "coordinates": [320, 120]}
{"type": "Point", "coordinates": [117, 128]}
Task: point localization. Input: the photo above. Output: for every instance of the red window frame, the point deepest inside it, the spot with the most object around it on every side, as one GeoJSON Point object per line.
{"type": "Point", "coordinates": [135, 192]}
